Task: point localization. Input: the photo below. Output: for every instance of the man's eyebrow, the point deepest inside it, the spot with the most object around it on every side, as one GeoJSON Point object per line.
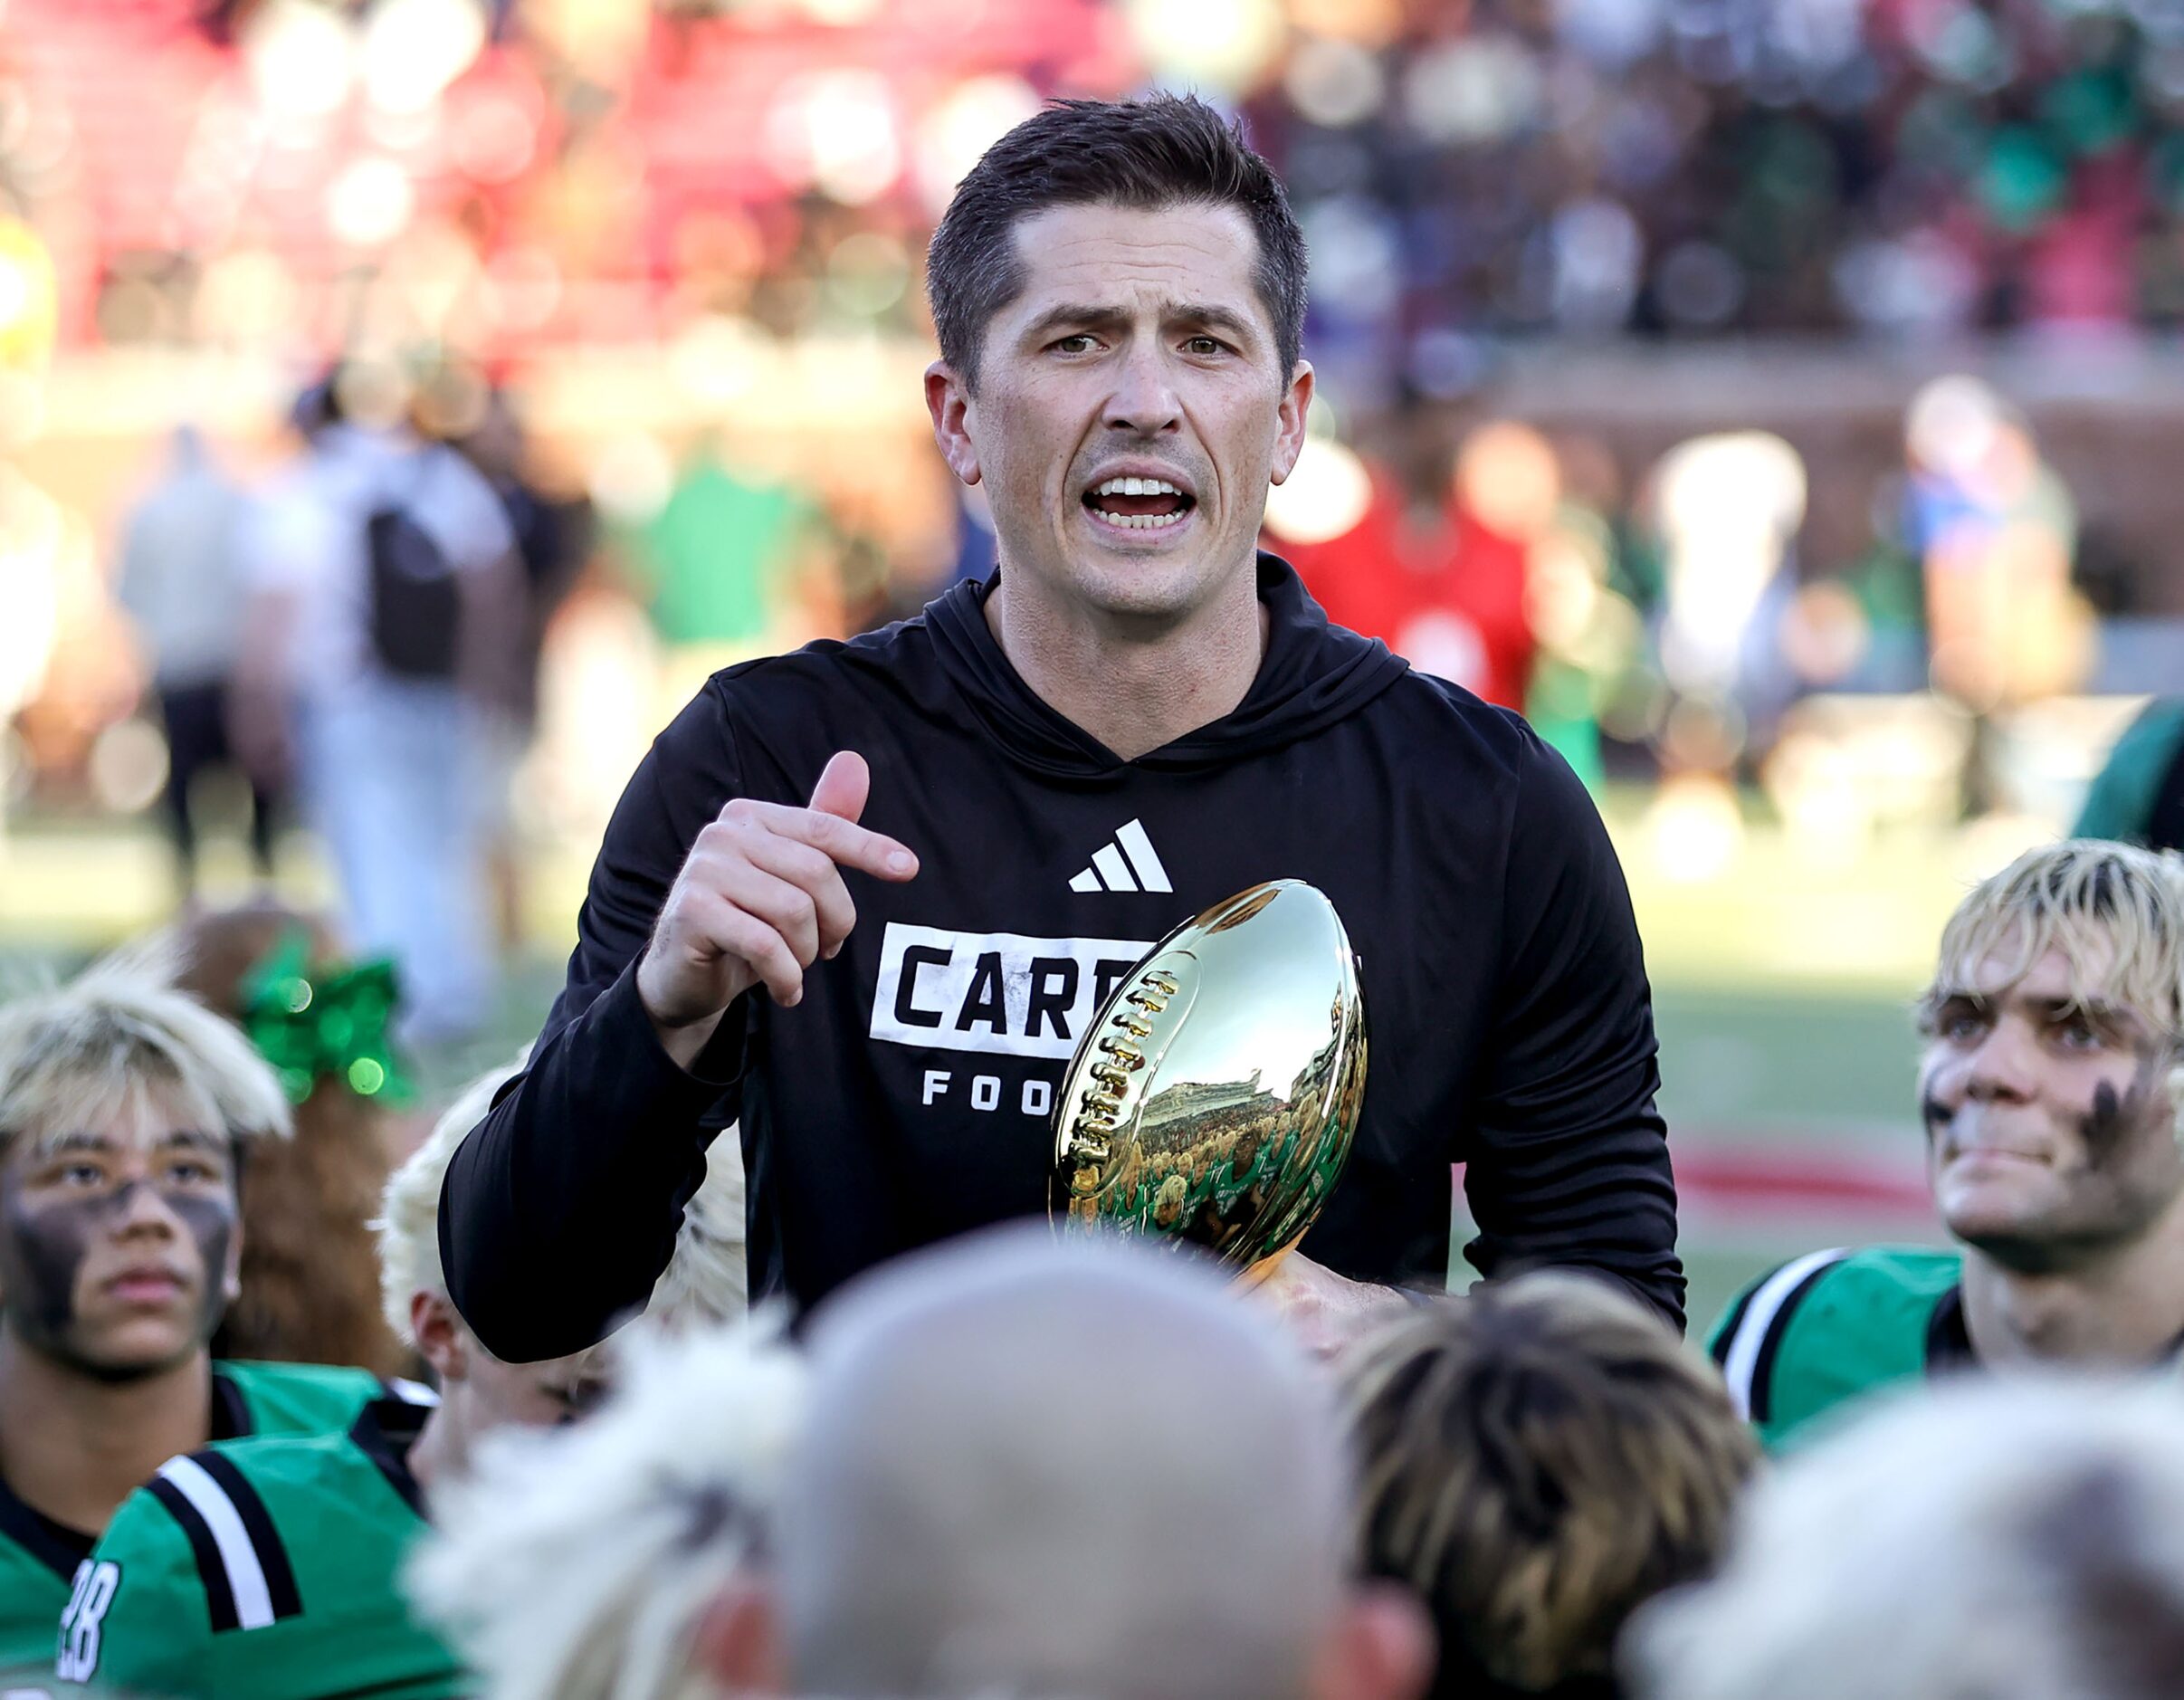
{"type": "Point", "coordinates": [78, 1140]}
{"type": "Point", "coordinates": [2103, 1011]}
{"type": "Point", "coordinates": [1072, 313]}
{"type": "Point", "coordinates": [1939, 998]}
{"type": "Point", "coordinates": [180, 1139]}
{"type": "Point", "coordinates": [1208, 313]}
{"type": "Point", "coordinates": [1215, 317]}
{"type": "Point", "coordinates": [190, 1138]}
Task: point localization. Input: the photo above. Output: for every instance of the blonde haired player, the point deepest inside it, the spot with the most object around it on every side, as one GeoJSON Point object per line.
{"type": "Point", "coordinates": [271, 1568]}
{"type": "Point", "coordinates": [126, 1107]}
{"type": "Point", "coordinates": [581, 1565]}
{"type": "Point", "coordinates": [2052, 1089]}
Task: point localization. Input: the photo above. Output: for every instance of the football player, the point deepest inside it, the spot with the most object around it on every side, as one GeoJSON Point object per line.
{"type": "Point", "coordinates": [586, 1560]}
{"type": "Point", "coordinates": [125, 1110]}
{"type": "Point", "coordinates": [2052, 1089]}
{"type": "Point", "coordinates": [270, 1569]}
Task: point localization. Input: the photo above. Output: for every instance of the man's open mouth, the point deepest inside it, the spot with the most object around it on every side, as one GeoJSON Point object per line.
{"type": "Point", "coordinates": [1139, 504]}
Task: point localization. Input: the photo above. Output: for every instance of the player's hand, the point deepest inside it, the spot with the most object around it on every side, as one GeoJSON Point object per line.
{"type": "Point", "coordinates": [758, 900]}
{"type": "Point", "coordinates": [1323, 1311]}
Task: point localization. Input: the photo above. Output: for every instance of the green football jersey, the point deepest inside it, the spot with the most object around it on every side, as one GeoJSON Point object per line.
{"type": "Point", "coordinates": [38, 1557]}
{"type": "Point", "coordinates": [1832, 1328]}
{"type": "Point", "coordinates": [264, 1570]}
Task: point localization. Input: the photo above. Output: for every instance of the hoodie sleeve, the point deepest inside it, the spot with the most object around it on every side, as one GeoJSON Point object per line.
{"type": "Point", "coordinates": [560, 1208]}
{"type": "Point", "coordinates": [1569, 1158]}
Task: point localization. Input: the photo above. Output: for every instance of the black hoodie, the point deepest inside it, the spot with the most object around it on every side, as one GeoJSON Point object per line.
{"type": "Point", "coordinates": [908, 1095]}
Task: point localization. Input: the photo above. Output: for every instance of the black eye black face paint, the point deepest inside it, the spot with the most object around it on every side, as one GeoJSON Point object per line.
{"type": "Point", "coordinates": [2106, 1128]}
{"type": "Point", "coordinates": [2103, 1128]}
{"type": "Point", "coordinates": [211, 1222]}
{"type": "Point", "coordinates": [1935, 1116]}
{"type": "Point", "coordinates": [42, 1251]}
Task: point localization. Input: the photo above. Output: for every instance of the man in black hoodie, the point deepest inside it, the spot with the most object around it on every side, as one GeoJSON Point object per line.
{"type": "Point", "coordinates": [863, 899]}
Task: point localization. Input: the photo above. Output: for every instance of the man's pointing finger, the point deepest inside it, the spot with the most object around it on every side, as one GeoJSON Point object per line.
{"type": "Point", "coordinates": [850, 845]}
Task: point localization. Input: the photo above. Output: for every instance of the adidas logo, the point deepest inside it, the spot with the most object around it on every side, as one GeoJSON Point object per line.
{"type": "Point", "coordinates": [1129, 863]}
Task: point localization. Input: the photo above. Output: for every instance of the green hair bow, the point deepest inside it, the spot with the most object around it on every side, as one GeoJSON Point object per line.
{"type": "Point", "coordinates": [328, 1024]}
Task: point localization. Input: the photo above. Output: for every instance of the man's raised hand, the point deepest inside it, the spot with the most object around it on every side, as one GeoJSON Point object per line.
{"type": "Point", "coordinates": [759, 900]}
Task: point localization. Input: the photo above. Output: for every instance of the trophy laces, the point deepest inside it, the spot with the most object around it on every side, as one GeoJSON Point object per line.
{"type": "Point", "coordinates": [1090, 1142]}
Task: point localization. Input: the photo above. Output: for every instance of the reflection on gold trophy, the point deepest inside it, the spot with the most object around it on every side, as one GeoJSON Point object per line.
{"type": "Point", "coordinates": [1213, 1100]}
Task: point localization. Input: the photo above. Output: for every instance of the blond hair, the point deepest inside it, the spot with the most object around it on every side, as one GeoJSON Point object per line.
{"type": "Point", "coordinates": [74, 1055]}
{"type": "Point", "coordinates": [577, 1563]}
{"type": "Point", "coordinates": [1538, 1459]}
{"type": "Point", "coordinates": [2014, 1539]}
{"type": "Point", "coordinates": [705, 1279]}
{"type": "Point", "coordinates": [2114, 912]}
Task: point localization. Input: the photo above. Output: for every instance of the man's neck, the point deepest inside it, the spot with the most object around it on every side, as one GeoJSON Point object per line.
{"type": "Point", "coordinates": [2124, 1310]}
{"type": "Point", "coordinates": [433, 1454]}
{"type": "Point", "coordinates": [73, 1446]}
{"type": "Point", "coordinates": [1133, 689]}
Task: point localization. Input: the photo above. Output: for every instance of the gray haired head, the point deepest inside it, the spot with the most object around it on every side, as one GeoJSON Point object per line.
{"type": "Point", "coordinates": [1079, 1469]}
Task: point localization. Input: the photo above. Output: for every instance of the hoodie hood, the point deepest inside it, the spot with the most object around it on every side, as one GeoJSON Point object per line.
{"type": "Point", "coordinates": [1312, 675]}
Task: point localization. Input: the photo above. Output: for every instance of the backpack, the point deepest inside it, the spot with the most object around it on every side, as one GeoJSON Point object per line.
{"type": "Point", "coordinates": [415, 599]}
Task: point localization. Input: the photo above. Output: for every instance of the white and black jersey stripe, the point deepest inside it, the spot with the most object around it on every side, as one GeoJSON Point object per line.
{"type": "Point", "coordinates": [1745, 1347]}
{"type": "Point", "coordinates": [249, 1583]}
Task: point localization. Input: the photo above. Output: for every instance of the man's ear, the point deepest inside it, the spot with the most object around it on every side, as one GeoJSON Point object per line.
{"type": "Point", "coordinates": [1380, 1648]}
{"type": "Point", "coordinates": [948, 399]}
{"type": "Point", "coordinates": [738, 1640]}
{"type": "Point", "coordinates": [1289, 435]}
{"type": "Point", "coordinates": [442, 1340]}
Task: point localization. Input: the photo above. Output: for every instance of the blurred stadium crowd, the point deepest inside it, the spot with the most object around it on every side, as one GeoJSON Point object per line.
{"type": "Point", "coordinates": [657, 269]}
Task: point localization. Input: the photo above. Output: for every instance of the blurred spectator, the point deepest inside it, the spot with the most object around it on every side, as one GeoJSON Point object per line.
{"type": "Point", "coordinates": [1540, 1459]}
{"type": "Point", "coordinates": [2137, 795]}
{"type": "Point", "coordinates": [1729, 507]}
{"type": "Point", "coordinates": [1996, 529]}
{"type": "Point", "coordinates": [386, 619]}
{"type": "Point", "coordinates": [181, 582]}
{"type": "Point", "coordinates": [2015, 1540]}
{"type": "Point", "coordinates": [720, 562]}
{"type": "Point", "coordinates": [1079, 1469]}
{"type": "Point", "coordinates": [581, 1563]}
{"type": "Point", "coordinates": [2054, 1106]}
{"type": "Point", "coordinates": [1443, 580]}
{"type": "Point", "coordinates": [553, 539]}
{"type": "Point", "coordinates": [309, 1288]}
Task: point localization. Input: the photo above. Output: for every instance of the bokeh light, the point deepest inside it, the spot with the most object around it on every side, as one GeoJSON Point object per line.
{"type": "Point", "coordinates": [835, 131]}
{"type": "Point", "coordinates": [961, 125]}
{"type": "Point", "coordinates": [1327, 494]}
{"type": "Point", "coordinates": [412, 50]}
{"type": "Point", "coordinates": [1221, 46]}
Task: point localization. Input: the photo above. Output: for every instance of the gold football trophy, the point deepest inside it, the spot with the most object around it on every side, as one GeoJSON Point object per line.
{"type": "Point", "coordinates": [1213, 1100]}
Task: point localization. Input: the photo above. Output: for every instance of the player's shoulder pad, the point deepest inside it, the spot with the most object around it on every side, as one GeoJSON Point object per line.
{"type": "Point", "coordinates": [1747, 1343]}
{"type": "Point", "coordinates": [239, 1556]}
{"type": "Point", "coordinates": [1749, 1336]}
{"type": "Point", "coordinates": [300, 1397]}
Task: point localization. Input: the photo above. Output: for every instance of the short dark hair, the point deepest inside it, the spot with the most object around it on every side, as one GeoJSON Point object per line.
{"type": "Point", "coordinates": [1538, 1459]}
{"type": "Point", "coordinates": [1160, 151]}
